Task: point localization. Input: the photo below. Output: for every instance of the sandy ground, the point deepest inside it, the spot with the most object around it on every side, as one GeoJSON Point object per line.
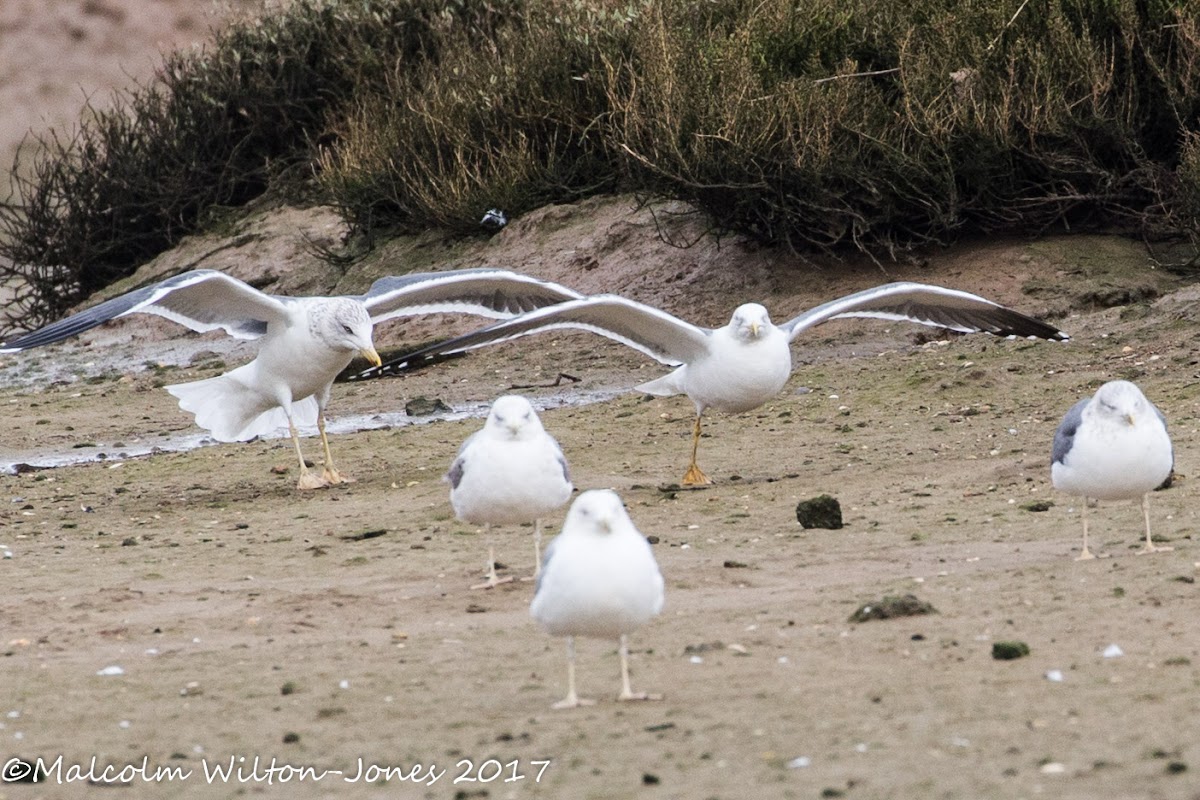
{"type": "Point", "coordinates": [336, 629]}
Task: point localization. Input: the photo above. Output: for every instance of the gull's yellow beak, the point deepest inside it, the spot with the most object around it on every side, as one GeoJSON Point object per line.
{"type": "Point", "coordinates": [606, 525]}
{"type": "Point", "coordinates": [370, 355]}
{"type": "Point", "coordinates": [754, 328]}
{"type": "Point", "coordinates": [1129, 419]}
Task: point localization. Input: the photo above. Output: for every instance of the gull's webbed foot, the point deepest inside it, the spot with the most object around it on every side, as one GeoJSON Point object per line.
{"type": "Point", "coordinates": [309, 480]}
{"type": "Point", "coordinates": [334, 478]}
{"type": "Point", "coordinates": [1088, 555]}
{"type": "Point", "coordinates": [694, 477]}
{"type": "Point", "coordinates": [572, 701]}
{"type": "Point", "coordinates": [492, 582]}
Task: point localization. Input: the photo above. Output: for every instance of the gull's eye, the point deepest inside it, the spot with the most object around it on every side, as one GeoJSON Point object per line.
{"type": "Point", "coordinates": [528, 415]}
{"type": "Point", "coordinates": [348, 329]}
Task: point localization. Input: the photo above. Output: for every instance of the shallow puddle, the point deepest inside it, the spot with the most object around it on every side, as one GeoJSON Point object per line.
{"type": "Point", "coordinates": [12, 462]}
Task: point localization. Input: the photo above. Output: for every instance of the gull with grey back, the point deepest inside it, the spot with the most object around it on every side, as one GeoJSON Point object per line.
{"type": "Point", "coordinates": [1113, 445]}
{"type": "Point", "coordinates": [303, 342]}
{"type": "Point", "coordinates": [510, 472]}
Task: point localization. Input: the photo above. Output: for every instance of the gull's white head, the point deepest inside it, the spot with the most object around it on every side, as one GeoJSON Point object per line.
{"type": "Point", "coordinates": [1121, 401]}
{"type": "Point", "coordinates": [344, 324]}
{"type": "Point", "coordinates": [599, 512]}
{"type": "Point", "coordinates": [512, 417]}
{"type": "Point", "coordinates": [750, 321]}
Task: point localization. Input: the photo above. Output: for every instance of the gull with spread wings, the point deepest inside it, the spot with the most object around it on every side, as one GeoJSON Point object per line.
{"type": "Point", "coordinates": [744, 364]}
{"type": "Point", "coordinates": [303, 342]}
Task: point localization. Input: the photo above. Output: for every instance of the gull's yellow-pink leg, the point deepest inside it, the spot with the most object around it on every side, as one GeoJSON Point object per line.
{"type": "Point", "coordinates": [693, 476]}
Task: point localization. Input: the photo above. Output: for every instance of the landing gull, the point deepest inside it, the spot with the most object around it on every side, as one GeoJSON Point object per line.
{"type": "Point", "coordinates": [744, 364]}
{"type": "Point", "coordinates": [304, 342]}
{"type": "Point", "coordinates": [600, 579]}
{"type": "Point", "coordinates": [1112, 446]}
{"type": "Point", "coordinates": [509, 472]}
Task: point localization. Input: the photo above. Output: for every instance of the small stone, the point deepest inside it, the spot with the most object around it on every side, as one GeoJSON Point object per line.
{"type": "Point", "coordinates": [1113, 651]}
{"type": "Point", "coordinates": [800, 762]}
{"type": "Point", "coordinates": [822, 511]}
{"type": "Point", "coordinates": [1055, 675]}
{"type": "Point", "coordinates": [203, 355]}
{"type": "Point", "coordinates": [908, 605]}
{"type": "Point", "coordinates": [1053, 768]}
{"type": "Point", "coordinates": [291, 738]}
{"type": "Point", "coordinates": [110, 671]}
{"type": "Point", "coordinates": [1007, 651]}
{"type": "Point", "coordinates": [423, 406]}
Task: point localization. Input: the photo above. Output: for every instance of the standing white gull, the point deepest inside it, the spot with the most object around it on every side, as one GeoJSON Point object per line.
{"type": "Point", "coordinates": [1112, 446]}
{"type": "Point", "coordinates": [599, 579]}
{"type": "Point", "coordinates": [304, 342]}
{"type": "Point", "coordinates": [511, 471]}
{"type": "Point", "coordinates": [744, 364]}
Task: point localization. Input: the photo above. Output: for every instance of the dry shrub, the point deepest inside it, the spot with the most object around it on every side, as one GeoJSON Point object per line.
{"type": "Point", "coordinates": [217, 127]}
{"type": "Point", "coordinates": [938, 117]}
{"type": "Point", "coordinates": [820, 124]}
{"type": "Point", "coordinates": [512, 125]}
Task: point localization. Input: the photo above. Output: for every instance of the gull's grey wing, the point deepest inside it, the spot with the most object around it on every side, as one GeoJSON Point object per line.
{"type": "Point", "coordinates": [455, 475]}
{"type": "Point", "coordinates": [1064, 437]}
{"type": "Point", "coordinates": [927, 305]}
{"type": "Point", "coordinates": [1163, 419]}
{"type": "Point", "coordinates": [202, 299]}
{"type": "Point", "coordinates": [656, 333]}
{"type": "Point", "coordinates": [496, 293]}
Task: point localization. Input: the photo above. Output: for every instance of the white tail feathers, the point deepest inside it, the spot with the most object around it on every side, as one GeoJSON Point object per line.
{"type": "Point", "coordinates": [665, 386]}
{"type": "Point", "coordinates": [232, 412]}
